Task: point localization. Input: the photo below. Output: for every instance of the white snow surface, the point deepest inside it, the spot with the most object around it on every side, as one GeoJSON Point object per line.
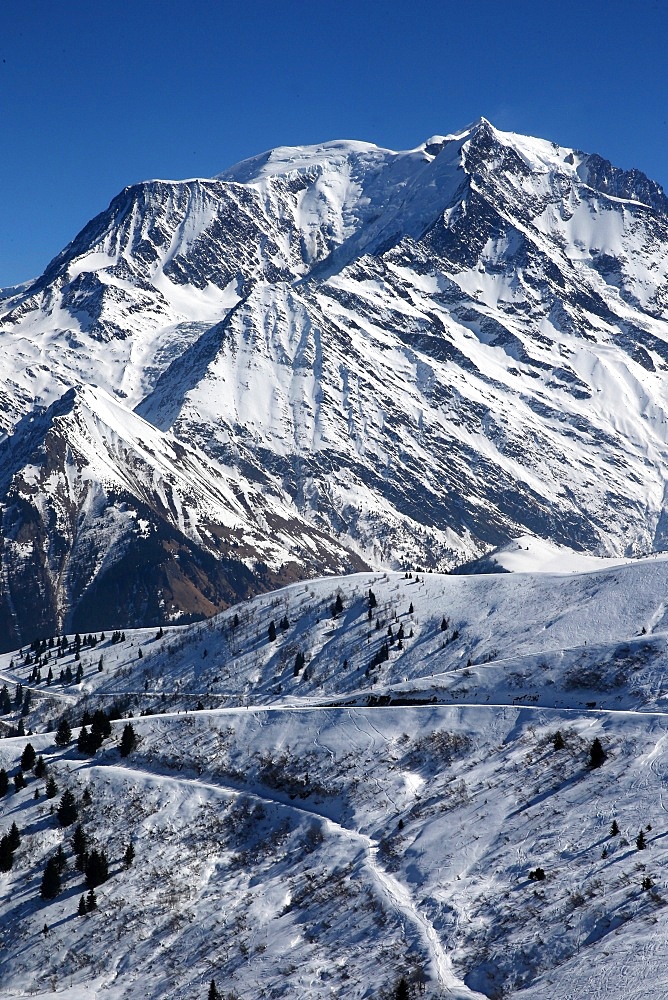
{"type": "Point", "coordinates": [323, 833]}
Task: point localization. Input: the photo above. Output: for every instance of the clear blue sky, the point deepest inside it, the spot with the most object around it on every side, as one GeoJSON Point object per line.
{"type": "Point", "coordinates": [97, 95]}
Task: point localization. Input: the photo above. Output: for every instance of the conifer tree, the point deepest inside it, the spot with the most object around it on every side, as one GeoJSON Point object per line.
{"type": "Point", "coordinates": [91, 901]}
{"type": "Point", "coordinates": [213, 993]}
{"type": "Point", "coordinates": [97, 868]}
{"type": "Point", "coordinates": [401, 992]}
{"type": "Point", "coordinates": [82, 907]}
{"type": "Point", "coordinates": [64, 733]}
{"type": "Point", "coordinates": [51, 787]}
{"type": "Point", "coordinates": [68, 809]}
{"type": "Point", "coordinates": [6, 854]}
{"type": "Point", "coordinates": [28, 757]}
{"type": "Point", "coordinates": [641, 843]}
{"type": "Point", "coordinates": [4, 781]}
{"type": "Point", "coordinates": [614, 829]}
{"type": "Point", "coordinates": [128, 740]}
{"type": "Point", "coordinates": [597, 754]}
{"type": "Point", "coordinates": [271, 631]}
{"type": "Point", "coordinates": [60, 858]}
{"type": "Point", "coordinates": [19, 781]}
{"type": "Point", "coordinates": [40, 767]}
{"type": "Point", "coordinates": [79, 845]}
{"type": "Point", "coordinates": [14, 837]}
{"type": "Point", "coordinates": [50, 886]}
{"type": "Point", "coordinates": [129, 855]}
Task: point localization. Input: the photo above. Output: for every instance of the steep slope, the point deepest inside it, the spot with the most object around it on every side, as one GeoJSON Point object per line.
{"type": "Point", "coordinates": [108, 520]}
{"type": "Point", "coordinates": [421, 354]}
{"type": "Point", "coordinates": [329, 830]}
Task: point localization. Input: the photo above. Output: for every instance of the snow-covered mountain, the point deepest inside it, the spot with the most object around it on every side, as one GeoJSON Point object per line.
{"type": "Point", "coordinates": [361, 795]}
{"type": "Point", "coordinates": [419, 354]}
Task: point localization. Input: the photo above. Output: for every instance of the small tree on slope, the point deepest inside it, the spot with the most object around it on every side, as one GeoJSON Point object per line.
{"type": "Point", "coordinates": [597, 754]}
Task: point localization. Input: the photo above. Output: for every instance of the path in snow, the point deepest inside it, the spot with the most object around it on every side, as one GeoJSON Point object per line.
{"type": "Point", "coordinates": [392, 892]}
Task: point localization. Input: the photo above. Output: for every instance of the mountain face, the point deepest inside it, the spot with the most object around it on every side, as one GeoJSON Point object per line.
{"type": "Point", "coordinates": [341, 356]}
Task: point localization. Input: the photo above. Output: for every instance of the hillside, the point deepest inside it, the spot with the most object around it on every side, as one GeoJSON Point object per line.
{"type": "Point", "coordinates": [325, 830]}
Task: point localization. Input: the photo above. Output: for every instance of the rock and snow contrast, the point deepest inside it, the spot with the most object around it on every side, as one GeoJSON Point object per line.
{"type": "Point", "coordinates": [348, 469]}
{"type": "Point", "coordinates": [367, 791]}
{"type": "Point", "coordinates": [406, 358]}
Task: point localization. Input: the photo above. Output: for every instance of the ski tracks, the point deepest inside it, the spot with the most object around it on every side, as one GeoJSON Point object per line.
{"type": "Point", "coordinates": [392, 893]}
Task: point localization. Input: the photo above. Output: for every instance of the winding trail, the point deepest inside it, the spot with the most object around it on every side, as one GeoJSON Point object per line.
{"type": "Point", "coordinates": [392, 893]}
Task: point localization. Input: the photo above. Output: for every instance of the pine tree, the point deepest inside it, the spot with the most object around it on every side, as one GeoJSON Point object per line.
{"type": "Point", "coordinates": [79, 845]}
{"type": "Point", "coordinates": [14, 837]}
{"type": "Point", "coordinates": [64, 734]}
{"type": "Point", "coordinates": [60, 859]}
{"type": "Point", "coordinates": [84, 742]}
{"type": "Point", "coordinates": [19, 781]}
{"type": "Point", "coordinates": [40, 767]}
{"type": "Point", "coordinates": [641, 843]}
{"type": "Point", "coordinates": [213, 993]}
{"type": "Point", "coordinates": [82, 907]}
{"type": "Point", "coordinates": [6, 854]}
{"type": "Point", "coordinates": [51, 787]}
{"type": "Point", "coordinates": [68, 809]}
{"type": "Point", "coordinates": [614, 829]}
{"type": "Point", "coordinates": [97, 869]}
{"type": "Point", "coordinates": [558, 741]}
{"type": "Point", "coordinates": [4, 781]}
{"type": "Point", "coordinates": [299, 662]}
{"type": "Point", "coordinates": [338, 605]}
{"type": "Point", "coordinates": [401, 992]}
{"type": "Point", "coordinates": [50, 886]}
{"type": "Point", "coordinates": [597, 754]}
{"type": "Point", "coordinates": [28, 757]}
{"type": "Point", "coordinates": [271, 631]}
{"type": "Point", "coordinates": [129, 855]}
{"type": "Point", "coordinates": [91, 901]}
{"type": "Point", "coordinates": [128, 740]}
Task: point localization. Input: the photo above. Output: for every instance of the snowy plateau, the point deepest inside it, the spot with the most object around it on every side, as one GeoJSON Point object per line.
{"type": "Point", "coordinates": [348, 469]}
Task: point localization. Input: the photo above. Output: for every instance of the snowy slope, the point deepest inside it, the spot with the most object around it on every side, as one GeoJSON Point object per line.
{"type": "Point", "coordinates": [94, 495]}
{"type": "Point", "coordinates": [327, 831]}
{"type": "Point", "coordinates": [422, 354]}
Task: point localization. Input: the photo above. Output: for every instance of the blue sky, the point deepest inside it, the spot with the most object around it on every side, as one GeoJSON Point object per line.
{"type": "Point", "coordinates": [97, 95]}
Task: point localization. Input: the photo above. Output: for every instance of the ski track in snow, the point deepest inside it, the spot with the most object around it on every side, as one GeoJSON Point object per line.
{"type": "Point", "coordinates": [391, 892]}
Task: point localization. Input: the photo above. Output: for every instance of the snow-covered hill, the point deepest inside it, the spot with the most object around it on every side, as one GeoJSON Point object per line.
{"type": "Point", "coordinates": [324, 827]}
{"type": "Point", "coordinates": [422, 354]}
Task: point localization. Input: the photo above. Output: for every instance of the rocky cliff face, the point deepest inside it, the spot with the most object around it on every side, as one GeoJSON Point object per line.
{"type": "Point", "coordinates": [386, 358]}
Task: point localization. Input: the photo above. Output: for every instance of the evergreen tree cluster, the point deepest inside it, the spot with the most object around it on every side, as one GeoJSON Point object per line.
{"type": "Point", "coordinates": [380, 657]}
{"type": "Point", "coordinates": [90, 741]}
